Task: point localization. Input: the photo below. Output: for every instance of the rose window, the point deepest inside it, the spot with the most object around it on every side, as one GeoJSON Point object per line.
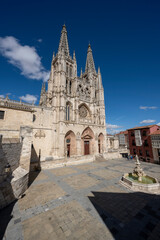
{"type": "Point", "coordinates": [83, 111]}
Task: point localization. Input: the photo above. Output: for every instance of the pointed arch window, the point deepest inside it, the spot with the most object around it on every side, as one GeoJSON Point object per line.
{"type": "Point", "coordinates": [70, 87]}
{"type": "Point", "coordinates": [67, 112]}
{"type": "Point", "coordinates": [67, 69]}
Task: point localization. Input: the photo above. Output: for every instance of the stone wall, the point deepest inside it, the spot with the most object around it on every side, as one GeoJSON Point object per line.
{"type": "Point", "coordinates": [112, 155]}
{"type": "Point", "coordinates": [15, 183]}
{"type": "Point", "coordinates": [2, 160]}
{"type": "Point", "coordinates": [12, 152]}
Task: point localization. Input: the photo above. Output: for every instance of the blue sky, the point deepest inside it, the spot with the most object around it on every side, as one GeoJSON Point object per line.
{"type": "Point", "coordinates": [125, 40]}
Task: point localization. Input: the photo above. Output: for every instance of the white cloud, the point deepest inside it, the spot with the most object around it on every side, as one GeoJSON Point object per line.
{"type": "Point", "coordinates": [40, 40]}
{"type": "Point", "coordinates": [2, 96]}
{"type": "Point", "coordinates": [29, 98]}
{"type": "Point", "coordinates": [148, 121]}
{"type": "Point", "coordinates": [112, 126]}
{"type": "Point", "coordinates": [113, 129]}
{"type": "Point", "coordinates": [158, 124]}
{"type": "Point", "coordinates": [24, 57]}
{"type": "Point", "coordinates": [146, 107]}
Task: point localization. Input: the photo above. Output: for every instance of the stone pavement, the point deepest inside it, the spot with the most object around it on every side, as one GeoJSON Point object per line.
{"type": "Point", "coordinates": [83, 202]}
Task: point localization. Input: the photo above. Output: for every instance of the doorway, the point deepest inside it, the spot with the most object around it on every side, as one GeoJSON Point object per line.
{"type": "Point", "coordinates": [158, 154]}
{"type": "Point", "coordinates": [99, 146]}
{"type": "Point", "coordinates": [68, 150]}
{"type": "Point", "coordinates": [86, 147]}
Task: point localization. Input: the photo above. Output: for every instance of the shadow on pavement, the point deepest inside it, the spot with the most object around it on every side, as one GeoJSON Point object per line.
{"type": "Point", "coordinates": [32, 177]}
{"type": "Point", "coordinates": [5, 217]}
{"type": "Point", "coordinates": [129, 216]}
{"type": "Point", "coordinates": [35, 166]}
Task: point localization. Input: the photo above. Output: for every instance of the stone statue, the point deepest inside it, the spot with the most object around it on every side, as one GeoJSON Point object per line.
{"type": "Point", "coordinates": [138, 170]}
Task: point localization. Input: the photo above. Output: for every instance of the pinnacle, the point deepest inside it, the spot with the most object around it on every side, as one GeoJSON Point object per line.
{"type": "Point", "coordinates": [64, 27]}
{"type": "Point", "coordinates": [63, 44]}
{"type": "Point", "coordinates": [74, 55]}
{"type": "Point", "coordinates": [89, 48]}
{"type": "Point", "coordinates": [90, 67]}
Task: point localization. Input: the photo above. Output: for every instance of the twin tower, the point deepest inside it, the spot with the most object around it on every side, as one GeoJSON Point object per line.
{"type": "Point", "coordinates": [77, 103]}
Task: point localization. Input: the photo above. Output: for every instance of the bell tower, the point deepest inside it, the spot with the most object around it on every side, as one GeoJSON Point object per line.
{"type": "Point", "coordinates": [62, 77]}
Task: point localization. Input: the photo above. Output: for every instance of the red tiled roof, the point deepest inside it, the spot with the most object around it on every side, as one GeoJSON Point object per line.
{"type": "Point", "coordinates": [141, 127]}
{"type": "Point", "coordinates": [122, 132]}
{"type": "Point", "coordinates": [156, 133]}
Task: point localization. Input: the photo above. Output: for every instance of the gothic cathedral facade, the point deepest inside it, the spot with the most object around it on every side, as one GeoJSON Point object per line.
{"type": "Point", "coordinates": [69, 122]}
{"type": "Point", "coordinates": [77, 104]}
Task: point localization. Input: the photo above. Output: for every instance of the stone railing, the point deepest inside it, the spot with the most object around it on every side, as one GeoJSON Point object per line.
{"type": "Point", "coordinates": [19, 105]}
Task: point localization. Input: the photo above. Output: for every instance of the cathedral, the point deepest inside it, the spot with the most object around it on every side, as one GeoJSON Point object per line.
{"type": "Point", "coordinates": [69, 122]}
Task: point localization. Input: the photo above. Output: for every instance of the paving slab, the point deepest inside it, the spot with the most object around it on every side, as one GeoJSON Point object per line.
{"type": "Point", "coordinates": [84, 202]}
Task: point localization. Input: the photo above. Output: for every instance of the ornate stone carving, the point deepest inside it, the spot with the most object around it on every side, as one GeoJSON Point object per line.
{"type": "Point", "coordinates": [84, 92]}
{"type": "Point", "coordinates": [40, 133]}
{"type": "Point", "coordinates": [83, 111]}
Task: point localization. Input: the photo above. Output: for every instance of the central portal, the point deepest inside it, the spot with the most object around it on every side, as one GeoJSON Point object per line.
{"type": "Point", "coordinates": [86, 147]}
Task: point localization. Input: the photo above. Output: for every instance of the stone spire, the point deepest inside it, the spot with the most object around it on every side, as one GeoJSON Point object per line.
{"type": "Point", "coordinates": [99, 79]}
{"type": "Point", "coordinates": [74, 56]}
{"type": "Point", "coordinates": [63, 44]}
{"type": "Point", "coordinates": [43, 90]}
{"type": "Point", "coordinates": [53, 56]}
{"type": "Point", "coordinates": [43, 93]}
{"type": "Point", "coordinates": [81, 73]}
{"type": "Point", "coordinates": [90, 67]}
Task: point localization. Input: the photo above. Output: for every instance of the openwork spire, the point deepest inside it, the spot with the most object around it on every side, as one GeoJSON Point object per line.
{"type": "Point", "coordinates": [99, 79]}
{"type": "Point", "coordinates": [43, 89]}
{"type": "Point", "coordinates": [63, 44]}
{"type": "Point", "coordinates": [90, 67]}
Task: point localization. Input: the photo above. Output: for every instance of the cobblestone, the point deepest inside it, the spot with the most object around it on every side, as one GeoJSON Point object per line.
{"type": "Point", "coordinates": [84, 202]}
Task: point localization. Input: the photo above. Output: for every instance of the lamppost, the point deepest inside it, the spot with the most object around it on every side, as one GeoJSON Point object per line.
{"type": "Point", "coordinates": [7, 169]}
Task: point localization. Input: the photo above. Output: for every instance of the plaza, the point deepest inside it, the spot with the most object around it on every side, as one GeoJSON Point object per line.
{"type": "Point", "coordinates": [83, 202]}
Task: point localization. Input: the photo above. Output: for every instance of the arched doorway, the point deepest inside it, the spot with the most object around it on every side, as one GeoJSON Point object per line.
{"type": "Point", "coordinates": [100, 142]}
{"type": "Point", "coordinates": [70, 144]}
{"type": "Point", "coordinates": [87, 141]}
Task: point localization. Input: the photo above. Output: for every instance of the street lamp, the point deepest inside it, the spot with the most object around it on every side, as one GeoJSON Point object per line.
{"type": "Point", "coordinates": [7, 168]}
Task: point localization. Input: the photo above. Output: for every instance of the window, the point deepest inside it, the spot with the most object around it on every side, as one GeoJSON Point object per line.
{"type": "Point", "coordinates": [133, 143]}
{"type": "Point", "coordinates": [147, 153]}
{"type": "Point", "coordinates": [132, 133]}
{"type": "Point", "coordinates": [134, 151]}
{"type": "Point", "coordinates": [144, 133]}
{"type": "Point", "coordinates": [1, 114]}
{"type": "Point", "coordinates": [70, 87]}
{"type": "Point", "coordinates": [67, 112]}
{"type": "Point", "coordinates": [34, 117]}
{"type": "Point", "coordinates": [140, 152]}
{"type": "Point", "coordinates": [145, 143]}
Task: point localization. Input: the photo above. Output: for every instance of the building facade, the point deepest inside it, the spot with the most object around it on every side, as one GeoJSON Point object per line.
{"type": "Point", "coordinates": [112, 142]}
{"type": "Point", "coordinates": [140, 142]}
{"type": "Point", "coordinates": [123, 139]}
{"type": "Point", "coordinates": [70, 119]}
{"type": "Point", "coordinates": [155, 139]}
